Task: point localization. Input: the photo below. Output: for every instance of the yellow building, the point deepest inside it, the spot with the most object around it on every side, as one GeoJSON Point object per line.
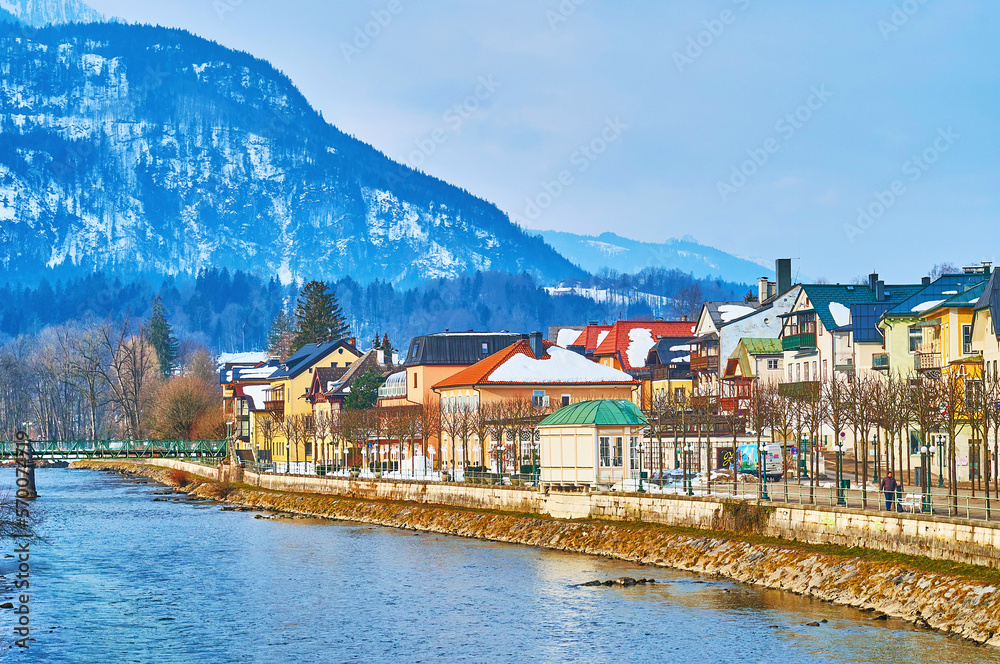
{"type": "Point", "coordinates": [280, 430]}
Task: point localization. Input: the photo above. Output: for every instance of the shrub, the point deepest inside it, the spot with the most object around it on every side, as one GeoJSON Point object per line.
{"type": "Point", "coordinates": [219, 490]}
{"type": "Point", "coordinates": [179, 477]}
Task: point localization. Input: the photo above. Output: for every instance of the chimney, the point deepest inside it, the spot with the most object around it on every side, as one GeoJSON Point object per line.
{"type": "Point", "coordinates": [925, 281]}
{"type": "Point", "coordinates": [872, 280]}
{"type": "Point", "coordinates": [380, 357]}
{"type": "Point", "coordinates": [987, 267]}
{"type": "Point", "coordinates": [762, 290]}
{"type": "Point", "coordinates": [354, 341]}
{"type": "Point", "coordinates": [684, 317]}
{"type": "Point", "coordinates": [783, 274]}
{"type": "Point", "coordinates": [537, 349]}
{"type": "Point", "coordinates": [880, 291]}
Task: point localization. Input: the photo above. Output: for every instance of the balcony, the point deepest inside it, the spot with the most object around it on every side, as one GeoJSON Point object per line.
{"type": "Point", "coordinates": [799, 341]}
{"type": "Point", "coordinates": [275, 409]}
{"type": "Point", "coordinates": [843, 363]}
{"type": "Point", "coordinates": [806, 389]}
{"type": "Point", "coordinates": [705, 363]}
{"type": "Point", "coordinates": [927, 361]}
{"type": "Point", "coordinates": [880, 361]}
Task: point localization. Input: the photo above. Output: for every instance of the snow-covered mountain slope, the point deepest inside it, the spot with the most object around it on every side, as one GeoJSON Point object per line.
{"type": "Point", "coordinates": [609, 250]}
{"type": "Point", "coordinates": [145, 149]}
{"type": "Point", "coordinates": [40, 13]}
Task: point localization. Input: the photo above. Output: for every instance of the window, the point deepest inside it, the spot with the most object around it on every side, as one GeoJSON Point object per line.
{"type": "Point", "coordinates": [679, 393]}
{"type": "Point", "coordinates": [538, 399]}
{"type": "Point", "coordinates": [564, 400]}
{"type": "Point", "coordinates": [605, 450]}
{"type": "Point", "coordinates": [772, 365]}
{"type": "Point", "coordinates": [824, 369]}
{"type": "Point", "coordinates": [414, 381]}
{"type": "Point", "coordinates": [798, 371]}
{"type": "Point", "coordinates": [789, 373]}
{"type": "Point", "coordinates": [914, 442]}
{"type": "Point", "coordinates": [916, 338]}
{"type": "Point", "coordinates": [617, 460]}
{"type": "Point", "coordinates": [816, 370]}
{"type": "Point", "coordinates": [633, 452]}
{"type": "Point", "coordinates": [973, 394]}
{"type": "Point", "coordinates": [966, 339]}
{"type": "Point", "coordinates": [486, 348]}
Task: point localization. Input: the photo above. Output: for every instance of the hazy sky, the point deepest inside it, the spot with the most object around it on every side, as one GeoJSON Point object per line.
{"type": "Point", "coordinates": [757, 127]}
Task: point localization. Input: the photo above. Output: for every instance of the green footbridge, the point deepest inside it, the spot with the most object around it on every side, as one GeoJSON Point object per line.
{"type": "Point", "coordinates": [116, 449]}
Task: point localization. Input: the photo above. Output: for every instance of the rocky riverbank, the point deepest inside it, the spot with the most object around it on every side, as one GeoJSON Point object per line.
{"type": "Point", "coordinates": [957, 605]}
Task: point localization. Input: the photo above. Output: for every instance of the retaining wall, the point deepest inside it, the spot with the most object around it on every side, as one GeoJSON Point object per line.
{"type": "Point", "coordinates": [914, 534]}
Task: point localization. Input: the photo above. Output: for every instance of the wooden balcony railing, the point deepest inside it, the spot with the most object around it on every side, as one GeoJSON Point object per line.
{"type": "Point", "coordinates": [705, 363]}
{"type": "Point", "coordinates": [275, 409]}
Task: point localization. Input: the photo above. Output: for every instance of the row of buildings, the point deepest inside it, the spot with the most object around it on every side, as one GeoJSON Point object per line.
{"type": "Point", "coordinates": [471, 396]}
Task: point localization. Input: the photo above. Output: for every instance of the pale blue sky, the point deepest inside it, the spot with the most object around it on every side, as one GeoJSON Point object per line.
{"type": "Point", "coordinates": [675, 122]}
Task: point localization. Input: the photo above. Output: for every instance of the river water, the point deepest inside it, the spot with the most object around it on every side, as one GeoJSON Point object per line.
{"type": "Point", "coordinates": [123, 578]}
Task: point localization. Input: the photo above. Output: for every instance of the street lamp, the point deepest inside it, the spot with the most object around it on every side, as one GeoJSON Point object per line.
{"type": "Point", "coordinates": [840, 448]}
{"type": "Point", "coordinates": [940, 446]}
{"type": "Point", "coordinates": [288, 460]}
{"type": "Point", "coordinates": [926, 452]}
{"type": "Point", "coordinates": [878, 459]}
{"type": "Point", "coordinates": [762, 469]}
{"type": "Point", "coordinates": [687, 468]}
{"type": "Point", "coordinates": [639, 448]}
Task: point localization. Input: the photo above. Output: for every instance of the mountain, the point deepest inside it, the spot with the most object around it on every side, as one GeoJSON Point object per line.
{"type": "Point", "coordinates": [147, 150]}
{"type": "Point", "coordinates": [609, 250]}
{"type": "Point", "coordinates": [39, 13]}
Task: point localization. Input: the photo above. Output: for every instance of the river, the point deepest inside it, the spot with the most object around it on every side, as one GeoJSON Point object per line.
{"type": "Point", "coordinates": [122, 577]}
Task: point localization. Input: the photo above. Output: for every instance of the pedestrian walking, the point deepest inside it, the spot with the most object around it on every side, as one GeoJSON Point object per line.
{"type": "Point", "coordinates": [889, 487]}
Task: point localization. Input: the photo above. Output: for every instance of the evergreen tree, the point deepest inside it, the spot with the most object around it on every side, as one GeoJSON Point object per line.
{"type": "Point", "coordinates": [280, 336]}
{"type": "Point", "coordinates": [364, 391]}
{"type": "Point", "coordinates": [161, 336]}
{"type": "Point", "coordinates": [317, 316]}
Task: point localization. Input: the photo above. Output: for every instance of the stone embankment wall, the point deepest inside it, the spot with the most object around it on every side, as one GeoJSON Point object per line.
{"type": "Point", "coordinates": [955, 605]}
{"type": "Point", "coordinates": [911, 534]}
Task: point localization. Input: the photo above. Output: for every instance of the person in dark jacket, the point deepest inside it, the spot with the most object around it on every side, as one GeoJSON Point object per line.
{"type": "Point", "coordinates": [889, 487]}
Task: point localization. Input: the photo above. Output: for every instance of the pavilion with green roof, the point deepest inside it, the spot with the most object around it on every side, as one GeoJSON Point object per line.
{"type": "Point", "coordinates": [591, 443]}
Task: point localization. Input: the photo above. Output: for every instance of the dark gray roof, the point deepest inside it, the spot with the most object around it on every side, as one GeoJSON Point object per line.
{"type": "Point", "coordinates": [662, 353]}
{"type": "Point", "coordinates": [943, 288]}
{"type": "Point", "coordinates": [716, 315]}
{"type": "Point", "coordinates": [458, 348]}
{"type": "Point", "coordinates": [308, 356]}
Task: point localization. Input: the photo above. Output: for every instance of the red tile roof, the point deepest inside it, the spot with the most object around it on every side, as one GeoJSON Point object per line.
{"type": "Point", "coordinates": [617, 341]}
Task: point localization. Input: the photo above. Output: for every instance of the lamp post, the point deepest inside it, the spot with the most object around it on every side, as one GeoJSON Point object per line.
{"type": "Point", "coordinates": [940, 450]}
{"type": "Point", "coordinates": [687, 469]}
{"type": "Point", "coordinates": [925, 482]}
{"type": "Point", "coordinates": [762, 469]}
{"type": "Point", "coordinates": [877, 458]}
{"type": "Point", "coordinates": [288, 460]}
{"type": "Point", "coordinates": [640, 449]}
{"type": "Point", "coordinates": [840, 448]}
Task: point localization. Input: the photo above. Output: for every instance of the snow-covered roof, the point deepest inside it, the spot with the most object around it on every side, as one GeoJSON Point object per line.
{"type": "Point", "coordinates": [841, 314]}
{"type": "Point", "coordinates": [567, 337]}
{"type": "Point", "coordinates": [924, 306]}
{"type": "Point", "coordinates": [602, 336]}
{"type": "Point", "coordinates": [257, 395]}
{"type": "Point", "coordinates": [562, 366]}
{"type": "Point", "coordinates": [731, 312]}
{"type": "Point", "coordinates": [248, 359]}
{"type": "Point", "coordinates": [640, 340]}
